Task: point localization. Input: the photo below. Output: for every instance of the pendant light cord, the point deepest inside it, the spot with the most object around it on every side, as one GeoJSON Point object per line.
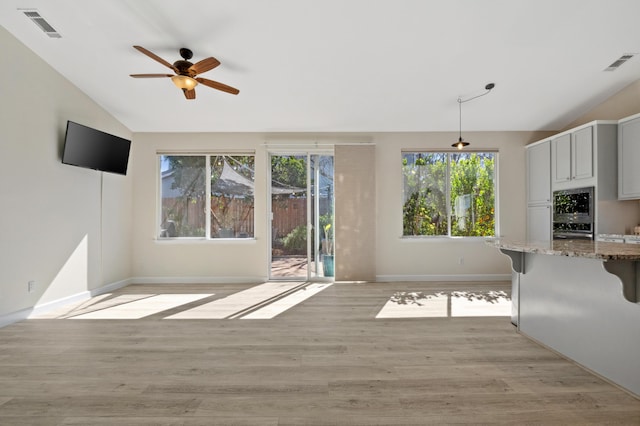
{"type": "Point", "coordinates": [488, 89]}
{"type": "Point", "coordinates": [460, 142]}
{"type": "Point", "coordinates": [460, 108]}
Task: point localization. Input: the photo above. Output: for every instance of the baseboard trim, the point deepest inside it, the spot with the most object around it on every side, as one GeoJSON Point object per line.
{"type": "Point", "coordinates": [44, 308]}
{"type": "Point", "coordinates": [14, 317]}
{"type": "Point", "coordinates": [450, 278]}
{"type": "Point", "coordinates": [198, 280]}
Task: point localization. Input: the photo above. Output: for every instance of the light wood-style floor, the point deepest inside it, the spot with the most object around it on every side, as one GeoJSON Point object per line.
{"type": "Point", "coordinates": [326, 361]}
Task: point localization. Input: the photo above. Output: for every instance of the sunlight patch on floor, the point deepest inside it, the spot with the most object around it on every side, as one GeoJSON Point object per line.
{"type": "Point", "coordinates": [281, 305]}
{"type": "Point", "coordinates": [237, 302]}
{"type": "Point", "coordinates": [418, 304]}
{"type": "Point", "coordinates": [415, 305]}
{"type": "Point", "coordinates": [489, 304]}
{"type": "Point", "coordinates": [142, 307]}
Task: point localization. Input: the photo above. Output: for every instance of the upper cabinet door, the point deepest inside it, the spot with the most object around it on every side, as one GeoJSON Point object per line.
{"type": "Point", "coordinates": [539, 173]}
{"type": "Point", "coordinates": [629, 159]}
{"type": "Point", "coordinates": [582, 154]}
{"type": "Point", "coordinates": [572, 159]}
{"type": "Point", "coordinates": [561, 158]}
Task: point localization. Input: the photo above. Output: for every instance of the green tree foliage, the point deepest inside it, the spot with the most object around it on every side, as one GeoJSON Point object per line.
{"type": "Point", "coordinates": [289, 172]}
{"type": "Point", "coordinates": [425, 206]}
{"type": "Point", "coordinates": [472, 177]}
{"type": "Point", "coordinates": [471, 186]}
{"type": "Point", "coordinates": [296, 241]}
{"type": "Point", "coordinates": [188, 172]}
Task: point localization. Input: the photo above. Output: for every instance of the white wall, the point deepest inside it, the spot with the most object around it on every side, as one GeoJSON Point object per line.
{"type": "Point", "coordinates": [50, 213]}
{"type": "Point", "coordinates": [206, 261]}
{"type": "Point", "coordinates": [397, 258]}
{"type": "Point", "coordinates": [438, 258]}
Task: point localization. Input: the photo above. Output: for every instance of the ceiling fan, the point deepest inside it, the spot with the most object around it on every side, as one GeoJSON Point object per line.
{"type": "Point", "coordinates": [186, 73]}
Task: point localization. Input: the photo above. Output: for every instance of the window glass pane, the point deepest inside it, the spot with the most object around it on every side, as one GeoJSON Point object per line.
{"type": "Point", "coordinates": [472, 194]}
{"type": "Point", "coordinates": [232, 194]}
{"type": "Point", "coordinates": [443, 185]}
{"type": "Point", "coordinates": [182, 196]}
{"type": "Point", "coordinates": [425, 201]}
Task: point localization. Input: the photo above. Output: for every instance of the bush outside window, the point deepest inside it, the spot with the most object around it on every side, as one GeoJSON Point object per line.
{"type": "Point", "coordinates": [449, 194]}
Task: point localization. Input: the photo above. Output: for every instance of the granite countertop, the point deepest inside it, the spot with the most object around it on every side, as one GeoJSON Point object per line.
{"type": "Point", "coordinates": [572, 248]}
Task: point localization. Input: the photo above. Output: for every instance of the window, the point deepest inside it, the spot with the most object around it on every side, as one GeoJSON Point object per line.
{"type": "Point", "coordinates": [449, 194]}
{"type": "Point", "coordinates": [206, 196]}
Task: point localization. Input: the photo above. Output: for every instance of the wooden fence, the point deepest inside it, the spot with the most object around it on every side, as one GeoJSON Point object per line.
{"type": "Point", "coordinates": [189, 215]}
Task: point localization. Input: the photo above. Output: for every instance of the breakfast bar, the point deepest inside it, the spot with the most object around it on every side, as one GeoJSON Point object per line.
{"type": "Point", "coordinates": [580, 298]}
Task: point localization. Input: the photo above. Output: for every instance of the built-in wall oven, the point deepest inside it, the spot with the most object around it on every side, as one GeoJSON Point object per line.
{"type": "Point", "coordinates": [573, 214]}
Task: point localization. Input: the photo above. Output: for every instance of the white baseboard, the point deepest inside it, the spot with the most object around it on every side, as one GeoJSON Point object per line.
{"type": "Point", "coordinates": [449, 278]}
{"type": "Point", "coordinates": [111, 287]}
{"type": "Point", "coordinates": [198, 280]}
{"type": "Point", "coordinates": [23, 314]}
{"type": "Point", "coordinates": [14, 317]}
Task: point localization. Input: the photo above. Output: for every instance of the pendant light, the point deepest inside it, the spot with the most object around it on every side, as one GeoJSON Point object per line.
{"type": "Point", "coordinates": [461, 142]}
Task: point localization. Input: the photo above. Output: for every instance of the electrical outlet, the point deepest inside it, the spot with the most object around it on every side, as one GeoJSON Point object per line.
{"type": "Point", "coordinates": [461, 260]}
{"type": "Point", "coordinates": [31, 286]}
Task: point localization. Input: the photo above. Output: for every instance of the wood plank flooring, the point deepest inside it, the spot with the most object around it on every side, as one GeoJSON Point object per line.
{"type": "Point", "coordinates": [326, 361]}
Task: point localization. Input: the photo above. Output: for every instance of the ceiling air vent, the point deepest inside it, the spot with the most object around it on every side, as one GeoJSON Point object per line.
{"type": "Point", "coordinates": [42, 24]}
{"type": "Point", "coordinates": [621, 60]}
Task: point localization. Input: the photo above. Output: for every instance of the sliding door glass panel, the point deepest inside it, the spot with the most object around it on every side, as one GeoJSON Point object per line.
{"type": "Point", "coordinates": [322, 253]}
{"type": "Point", "coordinates": [302, 243]}
{"type": "Point", "coordinates": [289, 231]}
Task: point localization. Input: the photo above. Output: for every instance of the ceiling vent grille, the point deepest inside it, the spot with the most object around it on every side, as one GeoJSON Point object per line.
{"type": "Point", "coordinates": [618, 62]}
{"type": "Point", "coordinates": [42, 24]}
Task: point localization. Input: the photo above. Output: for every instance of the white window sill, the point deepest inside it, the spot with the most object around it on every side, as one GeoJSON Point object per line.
{"type": "Point", "coordinates": [205, 241]}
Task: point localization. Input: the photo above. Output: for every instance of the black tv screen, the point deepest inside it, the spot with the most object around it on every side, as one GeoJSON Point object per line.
{"type": "Point", "coordinates": [93, 149]}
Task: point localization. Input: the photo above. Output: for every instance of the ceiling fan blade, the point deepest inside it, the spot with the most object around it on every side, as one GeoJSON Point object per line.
{"type": "Point", "coordinates": [204, 65]}
{"type": "Point", "coordinates": [155, 57]}
{"type": "Point", "coordinates": [219, 86]}
{"type": "Point", "coordinates": [150, 75]}
{"type": "Point", "coordinates": [189, 94]}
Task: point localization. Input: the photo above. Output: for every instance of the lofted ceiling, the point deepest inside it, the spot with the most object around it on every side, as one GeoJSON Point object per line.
{"type": "Point", "coordinates": [341, 65]}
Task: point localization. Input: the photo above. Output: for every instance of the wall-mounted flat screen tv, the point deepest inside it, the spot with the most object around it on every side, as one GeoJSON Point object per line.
{"type": "Point", "coordinates": [93, 149]}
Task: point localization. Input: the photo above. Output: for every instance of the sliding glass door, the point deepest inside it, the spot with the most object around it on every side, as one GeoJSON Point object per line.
{"type": "Point", "coordinates": [301, 195]}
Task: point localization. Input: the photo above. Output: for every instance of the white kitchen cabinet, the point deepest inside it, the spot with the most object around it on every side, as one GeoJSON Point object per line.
{"type": "Point", "coordinates": [629, 159]}
{"type": "Point", "coordinates": [539, 173]}
{"type": "Point", "coordinates": [586, 156]}
{"type": "Point", "coordinates": [582, 154]}
{"type": "Point", "coordinates": [572, 157]}
{"type": "Point", "coordinates": [539, 223]}
{"type": "Point", "coordinates": [561, 158]}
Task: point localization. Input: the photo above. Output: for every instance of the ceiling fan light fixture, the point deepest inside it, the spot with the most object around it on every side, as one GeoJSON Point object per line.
{"type": "Point", "coordinates": [184, 82]}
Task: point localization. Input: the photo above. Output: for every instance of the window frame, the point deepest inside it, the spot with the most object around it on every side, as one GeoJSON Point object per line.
{"type": "Point", "coordinates": [448, 153]}
{"type": "Point", "coordinates": [207, 155]}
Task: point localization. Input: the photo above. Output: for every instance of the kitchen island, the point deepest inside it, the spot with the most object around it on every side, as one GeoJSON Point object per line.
{"type": "Point", "coordinates": [580, 298]}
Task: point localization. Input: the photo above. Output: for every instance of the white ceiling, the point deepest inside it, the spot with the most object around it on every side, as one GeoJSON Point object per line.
{"type": "Point", "coordinates": [342, 65]}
